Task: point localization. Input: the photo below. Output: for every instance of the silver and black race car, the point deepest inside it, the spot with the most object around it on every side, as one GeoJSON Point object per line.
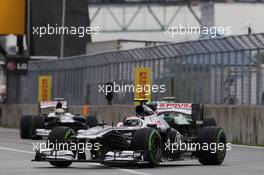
{"type": "Point", "coordinates": [37, 127]}
{"type": "Point", "coordinates": [144, 139]}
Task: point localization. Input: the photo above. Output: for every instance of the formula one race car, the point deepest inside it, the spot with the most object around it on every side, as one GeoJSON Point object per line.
{"type": "Point", "coordinates": [37, 127]}
{"type": "Point", "coordinates": [180, 115]}
{"type": "Point", "coordinates": [144, 139]}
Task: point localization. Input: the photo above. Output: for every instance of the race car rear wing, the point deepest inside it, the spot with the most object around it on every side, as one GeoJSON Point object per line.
{"type": "Point", "coordinates": [195, 110]}
{"type": "Point", "coordinates": [52, 104]}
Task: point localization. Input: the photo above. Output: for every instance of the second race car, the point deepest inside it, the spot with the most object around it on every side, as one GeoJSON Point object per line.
{"type": "Point", "coordinates": [39, 126]}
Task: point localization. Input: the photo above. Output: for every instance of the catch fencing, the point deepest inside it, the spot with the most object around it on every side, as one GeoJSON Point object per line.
{"type": "Point", "coordinates": [225, 70]}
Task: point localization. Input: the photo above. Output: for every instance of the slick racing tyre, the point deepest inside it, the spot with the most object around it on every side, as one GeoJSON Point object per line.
{"type": "Point", "coordinates": [26, 129]}
{"type": "Point", "coordinates": [59, 135]}
{"type": "Point", "coordinates": [29, 124]}
{"type": "Point", "coordinates": [215, 139]}
{"type": "Point", "coordinates": [38, 123]}
{"type": "Point", "coordinates": [149, 140]}
{"type": "Point", "coordinates": [92, 121]}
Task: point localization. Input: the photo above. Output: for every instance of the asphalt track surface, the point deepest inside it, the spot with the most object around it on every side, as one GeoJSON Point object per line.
{"type": "Point", "coordinates": [16, 155]}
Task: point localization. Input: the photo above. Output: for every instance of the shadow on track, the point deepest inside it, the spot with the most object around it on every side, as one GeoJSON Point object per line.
{"type": "Point", "coordinates": [99, 166]}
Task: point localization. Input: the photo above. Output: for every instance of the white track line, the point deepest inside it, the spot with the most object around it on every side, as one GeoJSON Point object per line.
{"type": "Point", "coordinates": [247, 146]}
{"type": "Point", "coordinates": [133, 172]}
{"type": "Point", "coordinates": [16, 150]}
{"type": "Point", "coordinates": [123, 169]}
{"type": "Point", "coordinates": [30, 152]}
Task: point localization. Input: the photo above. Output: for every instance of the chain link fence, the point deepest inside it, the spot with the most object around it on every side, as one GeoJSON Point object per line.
{"type": "Point", "coordinates": [214, 71]}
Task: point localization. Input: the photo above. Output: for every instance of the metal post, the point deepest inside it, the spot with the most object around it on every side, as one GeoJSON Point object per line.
{"type": "Point", "coordinates": [28, 27]}
{"type": "Point", "coordinates": [62, 24]}
{"type": "Point", "coordinates": [249, 76]}
{"type": "Point", "coordinates": [242, 78]}
{"type": "Point", "coordinates": [192, 76]}
{"type": "Point", "coordinates": [258, 80]}
{"type": "Point", "coordinates": [222, 79]}
{"type": "Point", "coordinates": [236, 77]}
{"type": "Point", "coordinates": [209, 79]}
{"type": "Point", "coordinates": [215, 79]}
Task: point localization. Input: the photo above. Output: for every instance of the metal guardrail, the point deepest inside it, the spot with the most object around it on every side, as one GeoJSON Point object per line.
{"type": "Point", "coordinates": [216, 71]}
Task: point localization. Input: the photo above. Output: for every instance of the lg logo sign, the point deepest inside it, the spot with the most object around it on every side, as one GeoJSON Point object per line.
{"type": "Point", "coordinates": [17, 66]}
{"type": "Point", "coordinates": [22, 66]}
{"type": "Point", "coordinates": [11, 66]}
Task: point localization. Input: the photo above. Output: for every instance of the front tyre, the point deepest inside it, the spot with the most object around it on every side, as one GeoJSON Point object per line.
{"type": "Point", "coordinates": [58, 135]}
{"type": "Point", "coordinates": [215, 139]}
{"type": "Point", "coordinates": [26, 127]}
{"type": "Point", "coordinates": [148, 139]}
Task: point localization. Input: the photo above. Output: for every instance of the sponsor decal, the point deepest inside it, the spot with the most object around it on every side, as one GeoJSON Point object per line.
{"type": "Point", "coordinates": [175, 105]}
{"type": "Point", "coordinates": [17, 66]}
{"type": "Point", "coordinates": [44, 88]}
{"type": "Point", "coordinates": [142, 79]}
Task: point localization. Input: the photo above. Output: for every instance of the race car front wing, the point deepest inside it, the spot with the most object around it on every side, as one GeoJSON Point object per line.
{"type": "Point", "coordinates": [111, 157]}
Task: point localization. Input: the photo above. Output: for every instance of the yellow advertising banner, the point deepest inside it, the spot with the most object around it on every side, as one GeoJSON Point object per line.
{"type": "Point", "coordinates": [12, 17]}
{"type": "Point", "coordinates": [44, 88]}
{"type": "Point", "coordinates": [142, 89]}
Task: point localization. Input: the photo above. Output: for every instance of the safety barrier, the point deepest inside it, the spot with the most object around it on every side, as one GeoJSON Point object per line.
{"type": "Point", "coordinates": [242, 124]}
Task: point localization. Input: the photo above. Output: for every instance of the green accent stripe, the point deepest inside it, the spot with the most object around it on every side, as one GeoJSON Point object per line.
{"type": "Point", "coordinates": [150, 146]}
{"type": "Point", "coordinates": [66, 135]}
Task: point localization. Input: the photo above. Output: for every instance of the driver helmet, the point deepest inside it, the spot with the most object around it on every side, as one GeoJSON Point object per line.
{"type": "Point", "coordinates": [131, 120]}
{"type": "Point", "coordinates": [59, 111]}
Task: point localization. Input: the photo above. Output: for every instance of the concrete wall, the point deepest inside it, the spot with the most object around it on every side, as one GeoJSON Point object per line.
{"type": "Point", "coordinates": [11, 114]}
{"type": "Point", "coordinates": [109, 114]}
{"type": "Point", "coordinates": [242, 124]}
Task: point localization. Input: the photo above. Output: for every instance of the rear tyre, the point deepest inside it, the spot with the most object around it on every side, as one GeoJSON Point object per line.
{"type": "Point", "coordinates": [38, 123]}
{"type": "Point", "coordinates": [58, 135]}
{"type": "Point", "coordinates": [26, 123]}
{"type": "Point", "coordinates": [215, 139]}
{"type": "Point", "coordinates": [148, 139]}
{"type": "Point", "coordinates": [92, 121]}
